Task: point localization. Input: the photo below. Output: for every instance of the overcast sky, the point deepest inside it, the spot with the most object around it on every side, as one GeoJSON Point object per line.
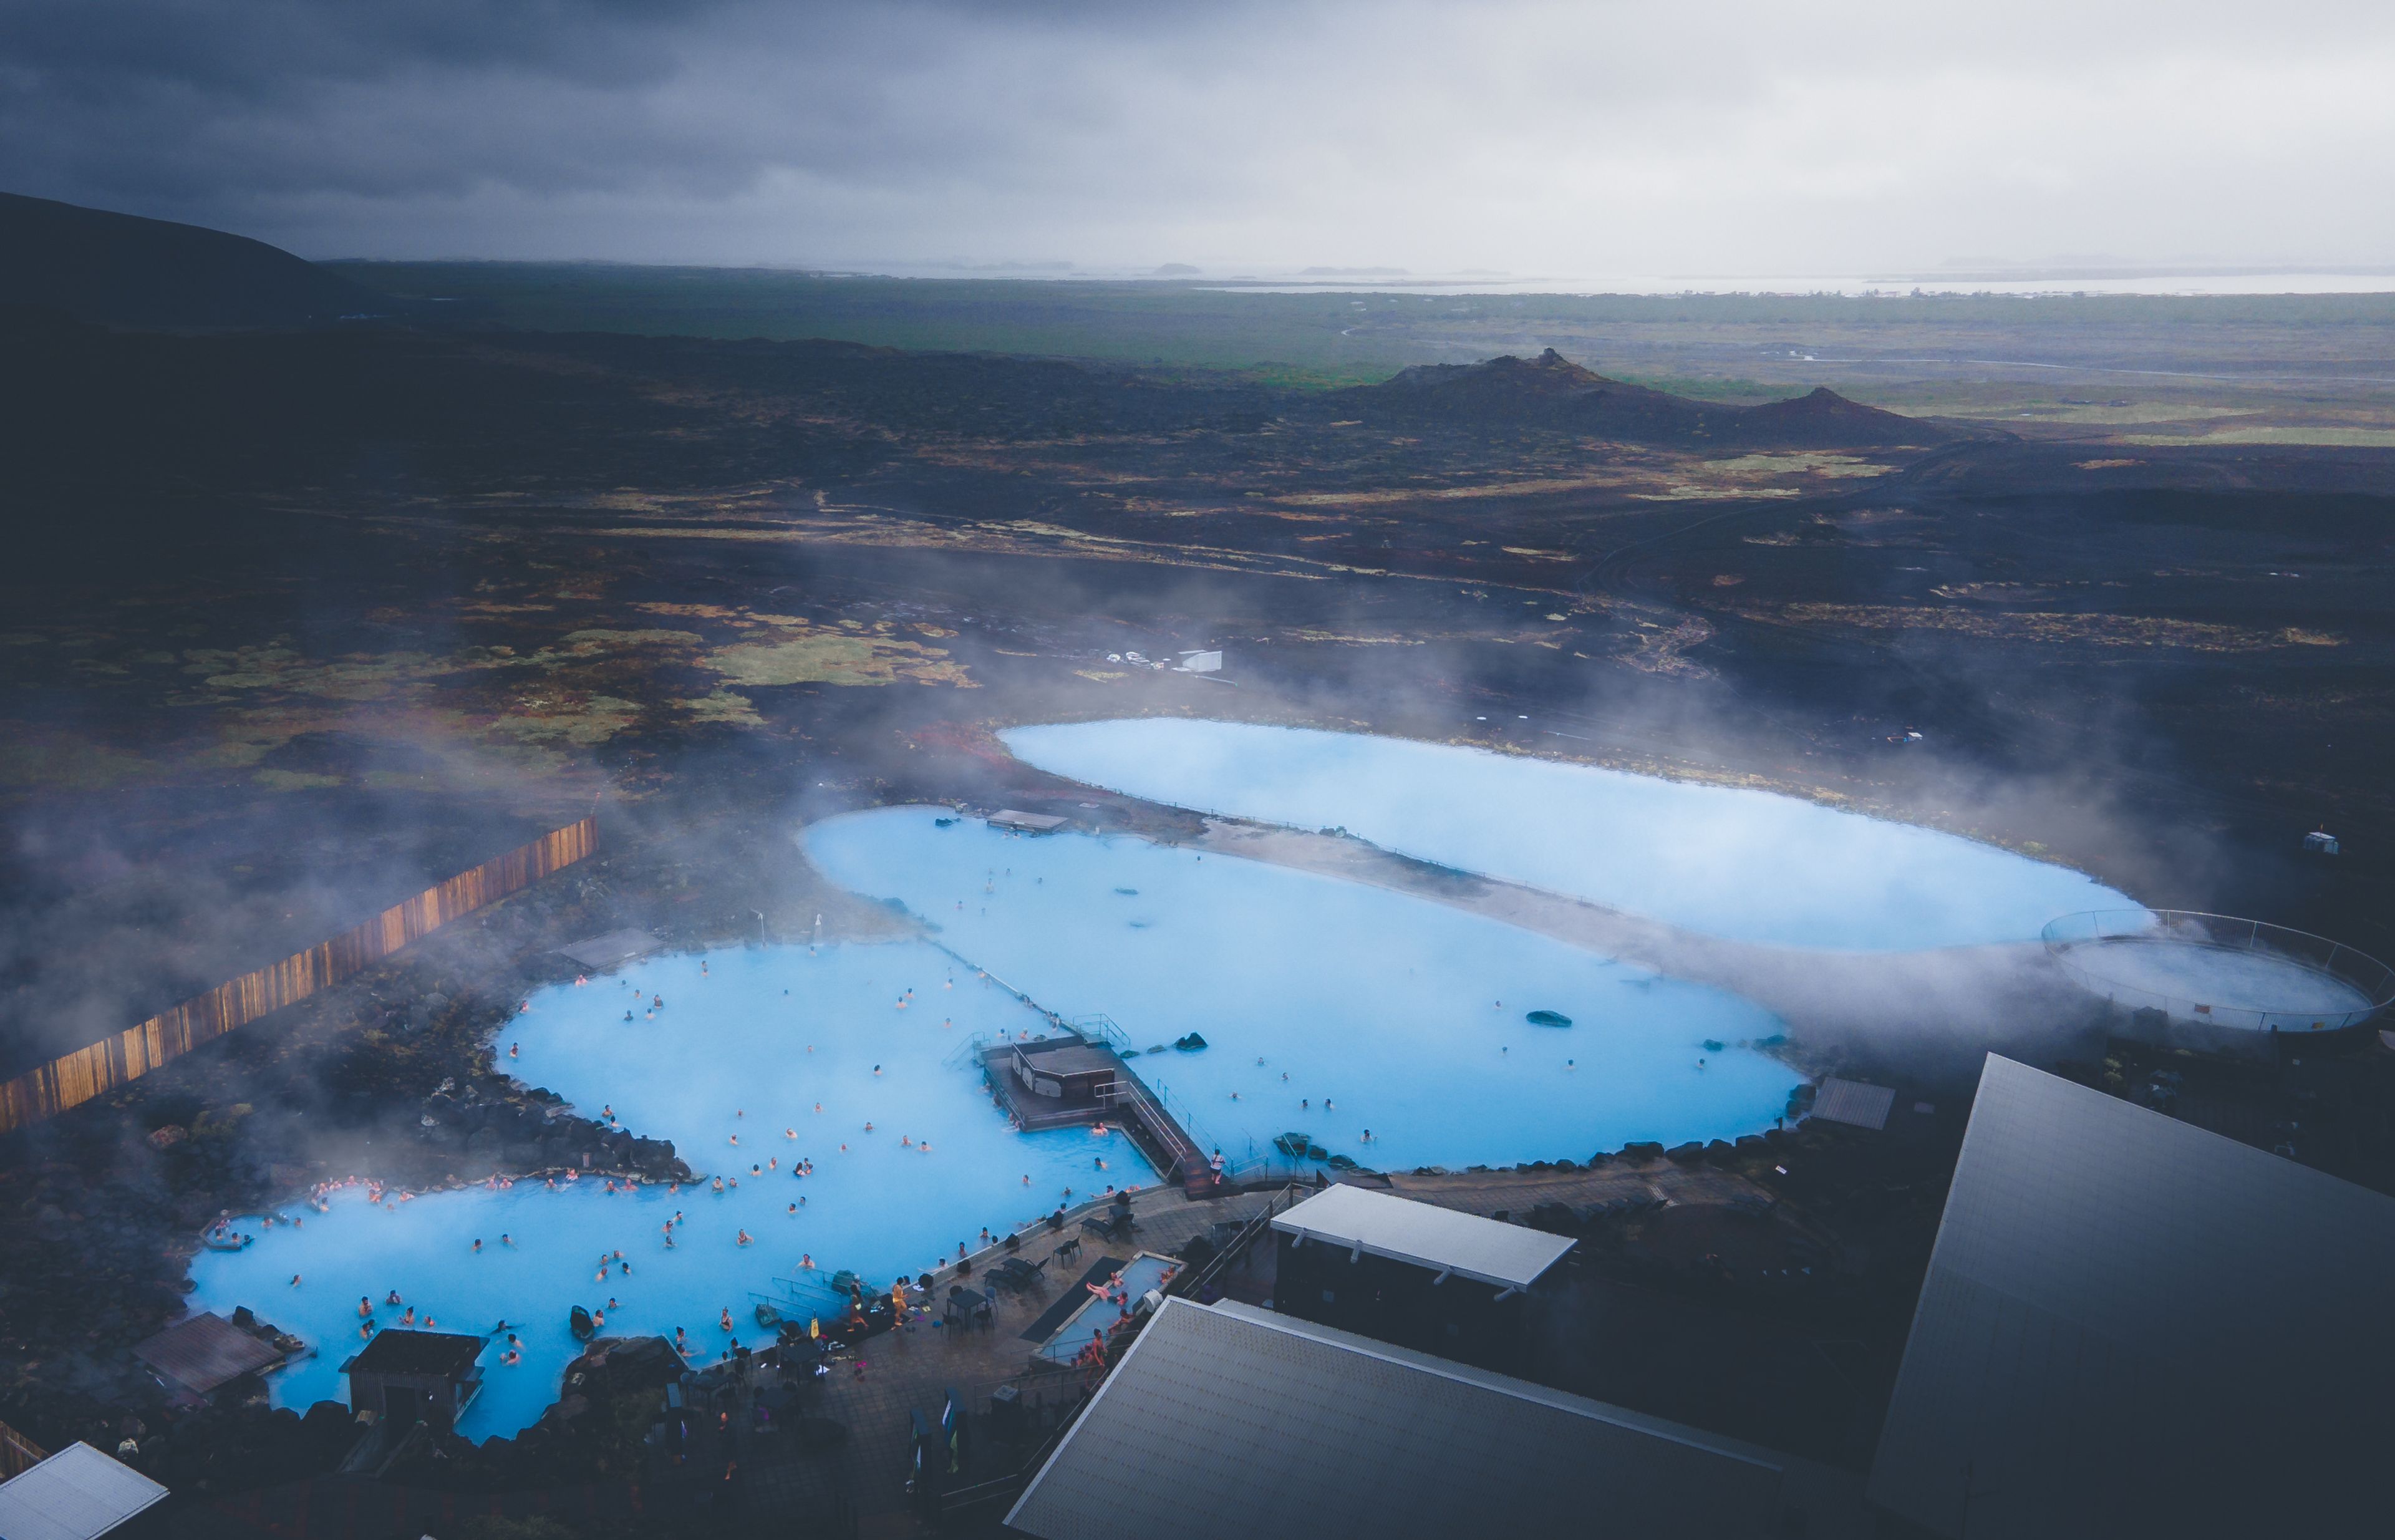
{"type": "Point", "coordinates": [1736, 136]}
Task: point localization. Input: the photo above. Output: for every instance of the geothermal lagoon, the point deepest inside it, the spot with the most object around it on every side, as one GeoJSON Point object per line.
{"type": "Point", "coordinates": [1387, 1028]}
{"type": "Point", "coordinates": [1722, 861]}
{"type": "Point", "coordinates": [727, 1055]}
{"type": "Point", "coordinates": [1329, 1008]}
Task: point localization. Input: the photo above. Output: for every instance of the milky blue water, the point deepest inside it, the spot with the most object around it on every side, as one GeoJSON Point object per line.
{"type": "Point", "coordinates": [1748, 866]}
{"type": "Point", "coordinates": [728, 1041]}
{"type": "Point", "coordinates": [1369, 1009]}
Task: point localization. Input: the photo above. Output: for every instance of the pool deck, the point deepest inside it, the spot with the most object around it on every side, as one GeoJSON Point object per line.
{"type": "Point", "coordinates": [913, 1370]}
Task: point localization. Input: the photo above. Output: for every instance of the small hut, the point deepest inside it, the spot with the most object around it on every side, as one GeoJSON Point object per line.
{"type": "Point", "coordinates": [415, 1376]}
{"type": "Point", "coordinates": [194, 1359]}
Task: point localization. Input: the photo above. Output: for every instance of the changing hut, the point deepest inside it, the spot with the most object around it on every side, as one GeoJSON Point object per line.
{"type": "Point", "coordinates": [1060, 1081]}
{"type": "Point", "coordinates": [415, 1376]}
{"type": "Point", "coordinates": [1410, 1273]}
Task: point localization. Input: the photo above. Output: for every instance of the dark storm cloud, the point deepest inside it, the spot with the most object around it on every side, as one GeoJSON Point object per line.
{"type": "Point", "coordinates": [1521, 134]}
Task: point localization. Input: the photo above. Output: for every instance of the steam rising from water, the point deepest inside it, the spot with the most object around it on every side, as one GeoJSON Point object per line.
{"type": "Point", "coordinates": [1743, 865]}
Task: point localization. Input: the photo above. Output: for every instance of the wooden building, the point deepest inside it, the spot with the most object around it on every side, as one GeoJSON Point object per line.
{"type": "Point", "coordinates": [194, 1359]}
{"type": "Point", "coordinates": [415, 1376]}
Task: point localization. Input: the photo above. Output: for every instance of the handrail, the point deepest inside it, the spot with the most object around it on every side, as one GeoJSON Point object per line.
{"type": "Point", "coordinates": [2368, 977]}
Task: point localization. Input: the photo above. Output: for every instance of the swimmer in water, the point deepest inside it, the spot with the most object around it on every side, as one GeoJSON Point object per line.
{"type": "Point", "coordinates": [514, 1049]}
{"type": "Point", "coordinates": [794, 1208]}
{"type": "Point", "coordinates": [478, 1245]}
{"type": "Point", "coordinates": [868, 1128]}
{"type": "Point", "coordinates": [392, 1299]}
{"type": "Point", "coordinates": [295, 1281]}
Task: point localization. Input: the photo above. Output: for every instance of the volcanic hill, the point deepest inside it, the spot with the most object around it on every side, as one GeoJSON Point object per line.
{"type": "Point", "coordinates": [1551, 392]}
{"type": "Point", "coordinates": [120, 270]}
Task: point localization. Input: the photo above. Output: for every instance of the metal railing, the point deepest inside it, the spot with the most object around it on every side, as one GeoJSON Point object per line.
{"type": "Point", "coordinates": [2076, 942]}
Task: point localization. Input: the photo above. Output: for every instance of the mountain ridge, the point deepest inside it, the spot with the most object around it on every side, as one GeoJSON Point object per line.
{"type": "Point", "coordinates": [1550, 390]}
{"type": "Point", "coordinates": [124, 270]}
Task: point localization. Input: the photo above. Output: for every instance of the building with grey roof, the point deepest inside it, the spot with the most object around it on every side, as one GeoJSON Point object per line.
{"type": "Point", "coordinates": [1224, 1419]}
{"type": "Point", "coordinates": [1858, 1103]}
{"type": "Point", "coordinates": [1424, 1235]}
{"type": "Point", "coordinates": [77, 1494]}
{"type": "Point", "coordinates": [2132, 1327]}
{"type": "Point", "coordinates": [1410, 1273]}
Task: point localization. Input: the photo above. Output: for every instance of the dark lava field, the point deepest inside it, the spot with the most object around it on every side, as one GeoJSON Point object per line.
{"type": "Point", "coordinates": [300, 620]}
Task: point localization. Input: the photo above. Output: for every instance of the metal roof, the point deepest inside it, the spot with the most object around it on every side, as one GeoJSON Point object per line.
{"type": "Point", "coordinates": [1227, 1420]}
{"type": "Point", "coordinates": [205, 1352]}
{"type": "Point", "coordinates": [1487, 1251]}
{"type": "Point", "coordinates": [1856, 1102]}
{"type": "Point", "coordinates": [77, 1494]}
{"type": "Point", "coordinates": [2131, 1325]}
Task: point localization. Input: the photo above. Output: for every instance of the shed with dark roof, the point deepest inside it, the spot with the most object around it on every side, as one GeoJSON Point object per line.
{"type": "Point", "coordinates": [202, 1355]}
{"type": "Point", "coordinates": [415, 1376]}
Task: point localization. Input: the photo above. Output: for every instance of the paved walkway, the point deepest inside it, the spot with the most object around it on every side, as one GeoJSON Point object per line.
{"type": "Point", "coordinates": [873, 1388]}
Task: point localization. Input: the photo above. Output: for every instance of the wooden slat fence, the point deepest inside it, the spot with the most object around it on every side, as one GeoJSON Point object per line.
{"type": "Point", "coordinates": [72, 1079]}
{"type": "Point", "coordinates": [17, 1454]}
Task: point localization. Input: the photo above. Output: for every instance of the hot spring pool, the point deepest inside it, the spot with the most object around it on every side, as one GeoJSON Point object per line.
{"type": "Point", "coordinates": [1382, 1011]}
{"type": "Point", "coordinates": [1748, 865]}
{"type": "Point", "coordinates": [728, 1041]}
{"type": "Point", "coordinates": [2221, 980]}
{"type": "Point", "coordinates": [1405, 1017]}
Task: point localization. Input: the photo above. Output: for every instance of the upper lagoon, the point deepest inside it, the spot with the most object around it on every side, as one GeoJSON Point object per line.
{"type": "Point", "coordinates": [1745, 866]}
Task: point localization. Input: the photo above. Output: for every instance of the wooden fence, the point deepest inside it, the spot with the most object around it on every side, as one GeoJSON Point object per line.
{"type": "Point", "coordinates": [75, 1078]}
{"type": "Point", "coordinates": [17, 1454]}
